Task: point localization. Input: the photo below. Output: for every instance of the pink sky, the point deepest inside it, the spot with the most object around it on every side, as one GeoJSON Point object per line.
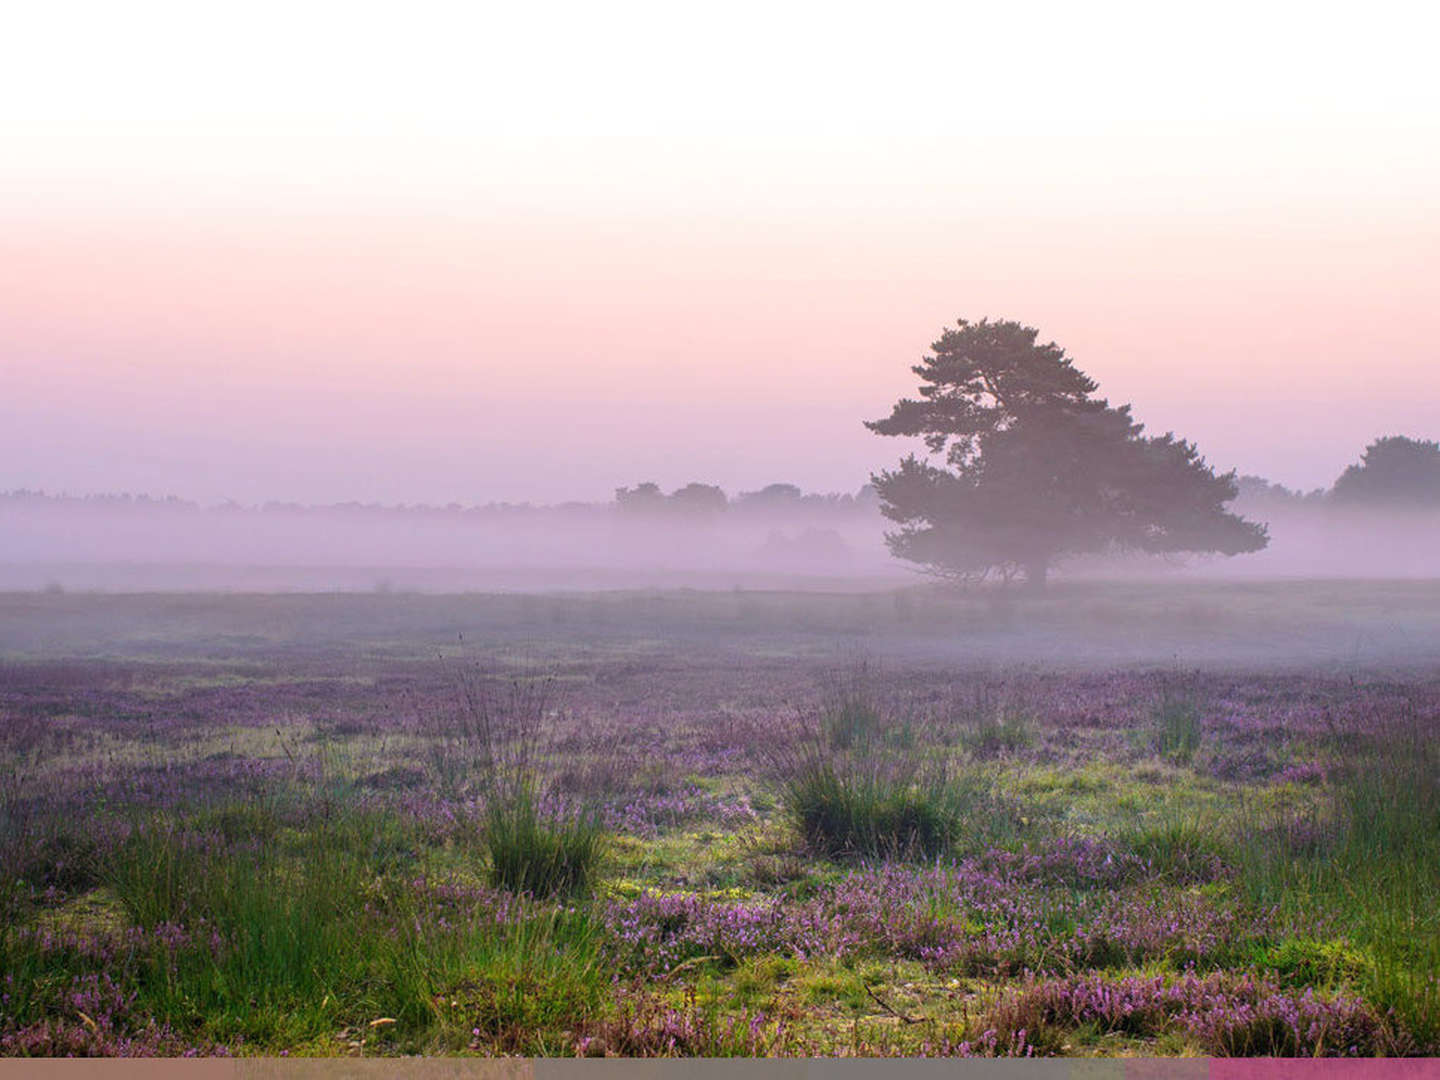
{"type": "Point", "coordinates": [321, 300]}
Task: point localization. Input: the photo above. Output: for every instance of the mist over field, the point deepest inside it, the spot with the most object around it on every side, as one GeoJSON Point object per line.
{"type": "Point", "coordinates": [121, 545]}
{"type": "Point", "coordinates": [1338, 587]}
{"type": "Point", "coordinates": [535, 548]}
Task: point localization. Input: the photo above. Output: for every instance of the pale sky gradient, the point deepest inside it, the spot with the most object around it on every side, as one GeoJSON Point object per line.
{"type": "Point", "coordinates": [425, 253]}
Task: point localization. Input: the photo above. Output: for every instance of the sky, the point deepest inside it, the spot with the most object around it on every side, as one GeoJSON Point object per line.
{"type": "Point", "coordinates": [434, 253]}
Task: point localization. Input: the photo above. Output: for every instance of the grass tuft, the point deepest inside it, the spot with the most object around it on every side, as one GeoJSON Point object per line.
{"type": "Point", "coordinates": [1178, 850]}
{"type": "Point", "coordinates": [1177, 726]}
{"type": "Point", "coordinates": [1002, 731]}
{"type": "Point", "coordinates": [540, 849]}
{"type": "Point", "coordinates": [843, 811]}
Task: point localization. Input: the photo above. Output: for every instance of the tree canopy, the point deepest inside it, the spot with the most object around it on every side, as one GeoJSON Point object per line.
{"type": "Point", "coordinates": [1034, 467]}
{"type": "Point", "coordinates": [1395, 471]}
{"type": "Point", "coordinates": [692, 500]}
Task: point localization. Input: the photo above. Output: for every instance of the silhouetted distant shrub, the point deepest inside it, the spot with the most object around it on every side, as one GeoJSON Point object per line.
{"type": "Point", "coordinates": [1393, 470]}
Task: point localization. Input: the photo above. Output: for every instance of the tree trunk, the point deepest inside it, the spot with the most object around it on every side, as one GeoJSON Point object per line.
{"type": "Point", "coordinates": [1036, 571]}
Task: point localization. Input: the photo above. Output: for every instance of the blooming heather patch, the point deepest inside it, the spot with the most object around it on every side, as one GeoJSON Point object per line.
{"type": "Point", "coordinates": [1224, 1014]}
{"type": "Point", "coordinates": [648, 815]}
{"type": "Point", "coordinates": [643, 1026]}
{"type": "Point", "coordinates": [94, 1016]}
{"type": "Point", "coordinates": [966, 918]}
{"type": "Point", "coordinates": [963, 918]}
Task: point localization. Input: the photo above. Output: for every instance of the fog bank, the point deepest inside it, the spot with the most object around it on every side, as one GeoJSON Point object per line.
{"type": "Point", "coordinates": [143, 545]}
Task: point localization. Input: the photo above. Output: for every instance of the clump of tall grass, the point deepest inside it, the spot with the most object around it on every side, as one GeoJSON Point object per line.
{"type": "Point", "coordinates": [541, 847]}
{"type": "Point", "coordinates": [999, 731]}
{"type": "Point", "coordinates": [1389, 859]}
{"type": "Point", "coordinates": [850, 712]}
{"type": "Point", "coordinates": [283, 940]}
{"type": "Point", "coordinates": [255, 935]}
{"type": "Point", "coordinates": [850, 722]}
{"type": "Point", "coordinates": [1177, 725]}
{"type": "Point", "coordinates": [1178, 850]}
{"type": "Point", "coordinates": [853, 784]}
{"type": "Point", "coordinates": [518, 988]}
{"type": "Point", "coordinates": [500, 746]}
{"type": "Point", "coordinates": [842, 809]}
{"type": "Point", "coordinates": [988, 725]}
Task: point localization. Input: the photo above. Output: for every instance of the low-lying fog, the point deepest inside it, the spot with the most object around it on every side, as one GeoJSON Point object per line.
{"type": "Point", "coordinates": [137, 545]}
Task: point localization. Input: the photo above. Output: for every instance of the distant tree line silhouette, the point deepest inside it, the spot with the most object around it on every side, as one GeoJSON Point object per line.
{"type": "Point", "coordinates": [1393, 471]}
{"type": "Point", "coordinates": [702, 500]}
{"type": "Point", "coordinates": [692, 500]}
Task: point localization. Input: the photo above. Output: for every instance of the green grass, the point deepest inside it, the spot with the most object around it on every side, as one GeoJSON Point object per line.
{"type": "Point", "coordinates": [523, 988]}
{"type": "Point", "coordinates": [1372, 868]}
{"type": "Point", "coordinates": [539, 851]}
{"type": "Point", "coordinates": [1388, 872]}
{"type": "Point", "coordinates": [852, 813]}
{"type": "Point", "coordinates": [291, 959]}
{"type": "Point", "coordinates": [850, 722]}
{"type": "Point", "coordinates": [1180, 850]}
{"type": "Point", "coordinates": [1001, 731]}
{"type": "Point", "coordinates": [1177, 726]}
{"type": "Point", "coordinates": [315, 931]}
{"type": "Point", "coordinates": [883, 808]}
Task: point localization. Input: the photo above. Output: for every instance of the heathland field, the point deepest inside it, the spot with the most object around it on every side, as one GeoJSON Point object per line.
{"type": "Point", "coordinates": [1118, 819]}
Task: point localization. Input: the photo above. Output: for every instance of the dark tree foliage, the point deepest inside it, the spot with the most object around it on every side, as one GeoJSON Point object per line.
{"type": "Point", "coordinates": [646, 498]}
{"type": "Point", "coordinates": [1395, 471]}
{"type": "Point", "coordinates": [1036, 468]}
{"type": "Point", "coordinates": [699, 500]}
{"type": "Point", "coordinates": [771, 495]}
{"type": "Point", "coordinates": [692, 500]}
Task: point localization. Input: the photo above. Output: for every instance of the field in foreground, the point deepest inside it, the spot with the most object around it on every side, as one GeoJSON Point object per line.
{"type": "Point", "coordinates": [1129, 822]}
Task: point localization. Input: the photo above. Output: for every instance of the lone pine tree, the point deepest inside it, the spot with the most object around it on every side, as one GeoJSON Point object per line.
{"type": "Point", "coordinates": [1036, 468]}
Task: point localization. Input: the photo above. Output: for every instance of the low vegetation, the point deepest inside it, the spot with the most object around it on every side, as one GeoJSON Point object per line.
{"type": "Point", "coordinates": [638, 849]}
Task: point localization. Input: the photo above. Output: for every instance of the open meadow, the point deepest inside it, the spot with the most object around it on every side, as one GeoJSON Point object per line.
{"type": "Point", "coordinates": [1116, 819]}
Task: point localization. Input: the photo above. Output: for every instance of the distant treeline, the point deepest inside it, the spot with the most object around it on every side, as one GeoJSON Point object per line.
{"type": "Point", "coordinates": [694, 499]}
{"type": "Point", "coordinates": [702, 499]}
{"type": "Point", "coordinates": [1395, 471]}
